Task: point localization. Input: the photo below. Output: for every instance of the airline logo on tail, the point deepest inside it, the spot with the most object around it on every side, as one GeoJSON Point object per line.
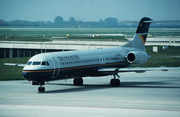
{"type": "Point", "coordinates": [143, 38]}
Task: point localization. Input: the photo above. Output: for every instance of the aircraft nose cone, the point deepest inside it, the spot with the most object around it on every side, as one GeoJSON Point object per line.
{"type": "Point", "coordinates": [26, 76]}
{"type": "Point", "coordinates": [38, 76]}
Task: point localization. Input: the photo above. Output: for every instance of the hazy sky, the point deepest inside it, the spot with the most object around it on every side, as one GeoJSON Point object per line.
{"type": "Point", "coordinates": [89, 10]}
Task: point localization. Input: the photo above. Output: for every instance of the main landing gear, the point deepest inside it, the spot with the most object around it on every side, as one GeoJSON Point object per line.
{"type": "Point", "coordinates": [115, 82]}
{"type": "Point", "coordinates": [78, 81]}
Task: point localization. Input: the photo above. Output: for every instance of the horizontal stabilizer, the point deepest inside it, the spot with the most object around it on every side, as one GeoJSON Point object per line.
{"type": "Point", "coordinates": [156, 21]}
{"type": "Point", "coordinates": [15, 64]}
{"type": "Point", "coordinates": [152, 21]}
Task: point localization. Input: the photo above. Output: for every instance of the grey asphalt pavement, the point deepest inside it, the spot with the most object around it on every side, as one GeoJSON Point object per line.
{"type": "Point", "coordinates": [147, 94]}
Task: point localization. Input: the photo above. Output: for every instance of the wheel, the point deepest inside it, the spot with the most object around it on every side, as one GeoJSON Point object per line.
{"type": "Point", "coordinates": [115, 82]}
{"type": "Point", "coordinates": [41, 89]}
{"type": "Point", "coordinates": [112, 82]}
{"type": "Point", "coordinates": [80, 81]}
{"type": "Point", "coordinates": [75, 81]}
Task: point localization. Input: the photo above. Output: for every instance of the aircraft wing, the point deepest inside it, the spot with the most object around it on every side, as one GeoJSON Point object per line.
{"type": "Point", "coordinates": [15, 64]}
{"type": "Point", "coordinates": [137, 69]}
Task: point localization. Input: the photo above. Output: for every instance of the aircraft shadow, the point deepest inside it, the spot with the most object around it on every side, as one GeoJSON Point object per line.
{"type": "Point", "coordinates": [85, 87]}
{"type": "Point", "coordinates": [154, 84]}
{"type": "Point", "coordinates": [88, 87]}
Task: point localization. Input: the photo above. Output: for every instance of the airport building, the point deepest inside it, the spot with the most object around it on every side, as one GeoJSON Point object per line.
{"type": "Point", "coordinates": [29, 49]}
{"type": "Point", "coordinates": [15, 49]}
{"type": "Point", "coordinates": [23, 52]}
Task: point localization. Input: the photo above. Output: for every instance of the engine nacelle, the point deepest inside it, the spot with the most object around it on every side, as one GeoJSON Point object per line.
{"type": "Point", "coordinates": [137, 57]}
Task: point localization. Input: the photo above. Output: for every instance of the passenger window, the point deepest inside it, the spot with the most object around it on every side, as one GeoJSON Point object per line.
{"type": "Point", "coordinates": [36, 63]}
{"type": "Point", "coordinates": [29, 63]}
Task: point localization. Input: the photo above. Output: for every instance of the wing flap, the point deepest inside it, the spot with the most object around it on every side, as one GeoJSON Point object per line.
{"type": "Point", "coordinates": [15, 64]}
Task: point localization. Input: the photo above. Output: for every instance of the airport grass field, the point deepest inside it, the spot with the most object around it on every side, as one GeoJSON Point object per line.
{"type": "Point", "coordinates": [164, 57]}
{"type": "Point", "coordinates": [46, 34]}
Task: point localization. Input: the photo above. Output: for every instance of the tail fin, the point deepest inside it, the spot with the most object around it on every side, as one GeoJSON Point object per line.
{"type": "Point", "coordinates": [141, 34]}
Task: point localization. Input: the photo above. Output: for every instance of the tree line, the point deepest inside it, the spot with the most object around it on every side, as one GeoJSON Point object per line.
{"type": "Point", "coordinates": [59, 22]}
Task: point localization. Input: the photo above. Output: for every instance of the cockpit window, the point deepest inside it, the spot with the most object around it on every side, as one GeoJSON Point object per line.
{"type": "Point", "coordinates": [29, 63]}
{"type": "Point", "coordinates": [36, 63]}
{"type": "Point", "coordinates": [45, 63]}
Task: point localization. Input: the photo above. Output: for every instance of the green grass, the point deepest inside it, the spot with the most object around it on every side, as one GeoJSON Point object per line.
{"type": "Point", "coordinates": [162, 58]}
{"type": "Point", "coordinates": [11, 72]}
{"type": "Point", "coordinates": [25, 39]}
{"type": "Point", "coordinates": [158, 62]}
{"type": "Point", "coordinates": [44, 34]}
{"type": "Point", "coordinates": [164, 31]}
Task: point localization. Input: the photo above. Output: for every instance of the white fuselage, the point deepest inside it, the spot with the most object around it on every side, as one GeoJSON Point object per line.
{"type": "Point", "coordinates": [72, 64]}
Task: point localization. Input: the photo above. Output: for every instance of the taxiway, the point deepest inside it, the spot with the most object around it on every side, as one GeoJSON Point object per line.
{"type": "Point", "coordinates": [155, 93]}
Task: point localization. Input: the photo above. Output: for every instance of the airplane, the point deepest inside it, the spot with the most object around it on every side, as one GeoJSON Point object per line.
{"type": "Point", "coordinates": [46, 67]}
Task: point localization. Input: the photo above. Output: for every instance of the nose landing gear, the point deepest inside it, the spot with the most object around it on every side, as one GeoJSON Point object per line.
{"type": "Point", "coordinates": [40, 89]}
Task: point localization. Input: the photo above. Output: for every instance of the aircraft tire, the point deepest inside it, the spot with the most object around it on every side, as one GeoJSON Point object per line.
{"type": "Point", "coordinates": [41, 89]}
{"type": "Point", "coordinates": [78, 81]}
{"type": "Point", "coordinates": [112, 82]}
{"type": "Point", "coordinates": [75, 81]}
{"type": "Point", "coordinates": [115, 82]}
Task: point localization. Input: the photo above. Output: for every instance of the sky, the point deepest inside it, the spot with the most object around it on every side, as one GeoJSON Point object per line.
{"type": "Point", "coordinates": [89, 10]}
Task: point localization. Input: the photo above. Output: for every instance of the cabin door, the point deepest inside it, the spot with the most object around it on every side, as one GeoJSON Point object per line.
{"type": "Point", "coordinates": [56, 67]}
{"type": "Point", "coordinates": [102, 59]}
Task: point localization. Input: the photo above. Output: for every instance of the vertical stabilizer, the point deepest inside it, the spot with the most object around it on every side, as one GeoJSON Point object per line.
{"type": "Point", "coordinates": [141, 34]}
